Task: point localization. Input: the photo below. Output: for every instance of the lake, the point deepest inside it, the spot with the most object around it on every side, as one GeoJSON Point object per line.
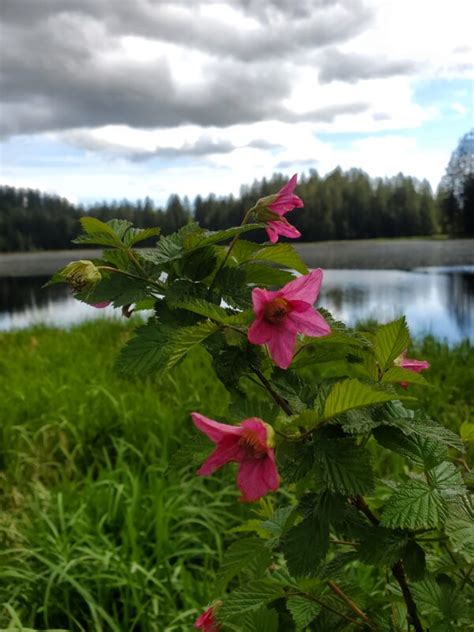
{"type": "Point", "coordinates": [436, 300]}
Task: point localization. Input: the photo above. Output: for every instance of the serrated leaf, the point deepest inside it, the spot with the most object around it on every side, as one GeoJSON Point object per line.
{"type": "Point", "coordinates": [135, 235]}
{"type": "Point", "coordinates": [249, 556]}
{"type": "Point", "coordinates": [380, 546]}
{"type": "Point", "coordinates": [275, 525]}
{"type": "Point", "coordinates": [414, 561]}
{"type": "Point", "coordinates": [390, 342]}
{"type": "Point", "coordinates": [421, 451]}
{"type": "Point", "coordinates": [117, 288]}
{"type": "Point", "coordinates": [422, 426]}
{"type": "Point", "coordinates": [248, 598]}
{"type": "Point", "coordinates": [295, 460]}
{"type": "Point", "coordinates": [305, 546]}
{"type": "Point", "coordinates": [199, 264]}
{"type": "Point", "coordinates": [447, 479]}
{"type": "Point", "coordinates": [397, 374]}
{"type": "Point", "coordinates": [342, 466]}
{"type": "Point", "coordinates": [351, 394]}
{"type": "Point", "coordinates": [102, 233]}
{"type": "Point", "coordinates": [282, 254]}
{"type": "Point", "coordinates": [209, 238]}
{"type": "Point", "coordinates": [204, 308]}
{"type": "Point", "coordinates": [186, 338]}
{"type": "Point", "coordinates": [303, 611]}
{"type": "Point", "coordinates": [263, 620]}
{"type": "Point", "coordinates": [265, 275]}
{"type": "Point", "coordinates": [459, 528]}
{"type": "Point", "coordinates": [414, 505]}
{"type": "Point", "coordinates": [444, 599]}
{"type": "Point", "coordinates": [146, 351]}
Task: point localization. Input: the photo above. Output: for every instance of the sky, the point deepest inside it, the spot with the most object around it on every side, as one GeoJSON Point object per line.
{"type": "Point", "coordinates": [112, 99]}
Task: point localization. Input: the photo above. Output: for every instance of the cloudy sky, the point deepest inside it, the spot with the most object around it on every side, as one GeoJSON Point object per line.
{"type": "Point", "coordinates": [103, 99]}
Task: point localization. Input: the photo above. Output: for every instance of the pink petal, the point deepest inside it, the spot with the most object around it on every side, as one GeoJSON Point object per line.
{"type": "Point", "coordinates": [282, 228]}
{"type": "Point", "coordinates": [102, 304]}
{"type": "Point", "coordinates": [226, 451]}
{"type": "Point", "coordinates": [282, 345]}
{"type": "Point", "coordinates": [289, 187]}
{"type": "Point", "coordinates": [271, 232]}
{"type": "Point", "coordinates": [414, 365]}
{"type": "Point", "coordinates": [256, 477]}
{"type": "Point", "coordinates": [260, 331]}
{"type": "Point", "coordinates": [256, 425]}
{"type": "Point", "coordinates": [304, 288]}
{"type": "Point", "coordinates": [309, 322]}
{"type": "Point", "coordinates": [260, 298]}
{"type": "Point", "coordinates": [285, 204]}
{"type": "Point", "coordinates": [213, 429]}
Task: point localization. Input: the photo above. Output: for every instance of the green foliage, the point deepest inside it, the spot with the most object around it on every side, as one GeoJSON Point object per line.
{"type": "Point", "coordinates": [414, 505]}
{"type": "Point", "coordinates": [331, 411]}
{"type": "Point", "coordinates": [390, 342]}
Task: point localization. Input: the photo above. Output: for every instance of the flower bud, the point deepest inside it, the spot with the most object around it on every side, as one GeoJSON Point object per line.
{"type": "Point", "coordinates": [270, 435]}
{"type": "Point", "coordinates": [81, 274]}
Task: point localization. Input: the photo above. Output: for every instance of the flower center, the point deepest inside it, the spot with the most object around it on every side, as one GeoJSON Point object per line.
{"type": "Point", "coordinates": [252, 444]}
{"type": "Point", "coordinates": [276, 310]}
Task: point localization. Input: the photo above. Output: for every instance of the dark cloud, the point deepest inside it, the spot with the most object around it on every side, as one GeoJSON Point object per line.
{"type": "Point", "coordinates": [63, 68]}
{"type": "Point", "coordinates": [307, 162]}
{"type": "Point", "coordinates": [351, 67]}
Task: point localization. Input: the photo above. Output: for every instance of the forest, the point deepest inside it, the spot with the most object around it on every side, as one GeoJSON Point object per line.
{"type": "Point", "coordinates": [340, 205]}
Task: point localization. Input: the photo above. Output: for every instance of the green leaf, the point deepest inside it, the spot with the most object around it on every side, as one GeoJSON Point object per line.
{"type": "Point", "coordinates": [459, 528]}
{"type": "Point", "coordinates": [249, 597]}
{"type": "Point", "coordinates": [305, 546]}
{"type": "Point", "coordinates": [414, 561]}
{"type": "Point", "coordinates": [263, 620]}
{"type": "Point", "coordinates": [186, 338]}
{"type": "Point", "coordinates": [101, 233]}
{"type": "Point", "coordinates": [390, 342]}
{"type": "Point", "coordinates": [351, 394]}
{"type": "Point", "coordinates": [204, 308]}
{"type": "Point", "coordinates": [249, 556]}
{"type": "Point", "coordinates": [276, 525]}
{"type": "Point", "coordinates": [199, 264]}
{"type": "Point", "coordinates": [442, 599]}
{"type": "Point", "coordinates": [168, 249]}
{"type": "Point", "coordinates": [265, 275]}
{"type": "Point", "coordinates": [421, 451]}
{"type": "Point", "coordinates": [117, 288]}
{"type": "Point", "coordinates": [282, 254]}
{"type": "Point", "coordinates": [380, 546]}
{"type": "Point", "coordinates": [414, 505]}
{"type": "Point", "coordinates": [421, 426]}
{"type": "Point", "coordinates": [146, 351]}
{"type": "Point", "coordinates": [215, 237]}
{"type": "Point", "coordinates": [397, 374]}
{"type": "Point", "coordinates": [447, 479]}
{"type": "Point", "coordinates": [295, 460]}
{"type": "Point", "coordinates": [135, 235]}
{"type": "Point", "coordinates": [342, 466]}
{"type": "Point", "coordinates": [303, 611]}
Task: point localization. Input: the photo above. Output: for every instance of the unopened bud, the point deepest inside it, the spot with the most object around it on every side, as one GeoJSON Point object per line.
{"type": "Point", "coordinates": [270, 435]}
{"type": "Point", "coordinates": [81, 274]}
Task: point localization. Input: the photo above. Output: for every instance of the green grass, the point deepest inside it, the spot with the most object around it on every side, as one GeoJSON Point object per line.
{"type": "Point", "coordinates": [97, 532]}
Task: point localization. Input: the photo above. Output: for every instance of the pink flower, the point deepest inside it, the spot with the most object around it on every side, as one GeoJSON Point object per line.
{"type": "Point", "coordinates": [280, 203]}
{"type": "Point", "coordinates": [102, 304]}
{"type": "Point", "coordinates": [412, 365]}
{"type": "Point", "coordinates": [283, 314]}
{"type": "Point", "coordinates": [207, 622]}
{"type": "Point", "coordinates": [251, 445]}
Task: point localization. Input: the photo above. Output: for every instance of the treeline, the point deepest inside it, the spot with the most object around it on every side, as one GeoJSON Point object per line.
{"type": "Point", "coordinates": [341, 205]}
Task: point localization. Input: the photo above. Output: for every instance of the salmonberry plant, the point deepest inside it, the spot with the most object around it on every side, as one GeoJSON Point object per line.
{"type": "Point", "coordinates": [362, 516]}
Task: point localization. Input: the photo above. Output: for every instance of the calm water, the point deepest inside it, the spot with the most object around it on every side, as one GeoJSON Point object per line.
{"type": "Point", "coordinates": [435, 300]}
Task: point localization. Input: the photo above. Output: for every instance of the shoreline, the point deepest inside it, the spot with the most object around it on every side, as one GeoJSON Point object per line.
{"type": "Point", "coordinates": [362, 254]}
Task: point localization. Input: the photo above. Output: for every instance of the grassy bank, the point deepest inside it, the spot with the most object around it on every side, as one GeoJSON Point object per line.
{"type": "Point", "coordinates": [97, 531]}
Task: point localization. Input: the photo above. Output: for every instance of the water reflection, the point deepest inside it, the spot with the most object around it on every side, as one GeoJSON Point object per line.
{"type": "Point", "coordinates": [435, 300]}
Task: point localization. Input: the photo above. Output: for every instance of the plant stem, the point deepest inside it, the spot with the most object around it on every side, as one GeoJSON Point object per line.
{"type": "Point", "coordinates": [278, 399]}
{"type": "Point", "coordinates": [157, 284]}
{"type": "Point", "coordinates": [231, 245]}
{"type": "Point", "coordinates": [337, 590]}
{"type": "Point", "coordinates": [327, 606]}
{"type": "Point", "coordinates": [397, 569]}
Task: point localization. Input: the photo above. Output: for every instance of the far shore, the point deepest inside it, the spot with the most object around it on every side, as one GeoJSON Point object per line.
{"type": "Point", "coordinates": [362, 254]}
